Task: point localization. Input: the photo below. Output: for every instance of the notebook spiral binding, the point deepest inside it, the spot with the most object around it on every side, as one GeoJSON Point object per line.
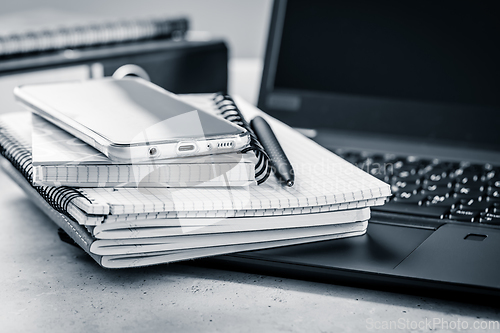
{"type": "Point", "coordinates": [20, 157]}
{"type": "Point", "coordinates": [97, 33]}
{"type": "Point", "coordinates": [230, 111]}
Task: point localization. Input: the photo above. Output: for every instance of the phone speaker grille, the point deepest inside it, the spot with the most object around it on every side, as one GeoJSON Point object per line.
{"type": "Point", "coordinates": [226, 144]}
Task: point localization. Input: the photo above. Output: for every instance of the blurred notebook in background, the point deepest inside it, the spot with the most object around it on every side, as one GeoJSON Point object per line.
{"type": "Point", "coordinates": [48, 30]}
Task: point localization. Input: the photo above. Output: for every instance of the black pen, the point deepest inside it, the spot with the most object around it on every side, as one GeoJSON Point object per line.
{"type": "Point", "coordinates": [282, 167]}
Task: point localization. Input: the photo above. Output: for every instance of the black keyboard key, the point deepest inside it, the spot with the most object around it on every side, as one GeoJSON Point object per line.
{"type": "Point", "coordinates": [466, 212]}
{"type": "Point", "coordinates": [440, 201]}
{"type": "Point", "coordinates": [494, 183]}
{"type": "Point", "coordinates": [467, 188]}
{"type": "Point", "coordinates": [473, 204]}
{"type": "Point", "coordinates": [436, 191]}
{"type": "Point", "coordinates": [443, 182]}
{"type": "Point", "coordinates": [489, 175]}
{"type": "Point", "coordinates": [415, 159]}
{"type": "Point", "coordinates": [492, 200]}
{"type": "Point", "coordinates": [398, 163]}
{"type": "Point", "coordinates": [402, 208]}
{"type": "Point", "coordinates": [495, 209]}
{"type": "Point", "coordinates": [408, 167]}
{"type": "Point", "coordinates": [435, 174]}
{"type": "Point", "coordinates": [405, 173]}
{"type": "Point", "coordinates": [409, 178]}
{"type": "Point", "coordinates": [453, 168]}
{"type": "Point", "coordinates": [402, 183]}
{"type": "Point", "coordinates": [412, 188]}
{"type": "Point", "coordinates": [468, 178]}
{"type": "Point", "coordinates": [435, 177]}
{"type": "Point", "coordinates": [409, 198]}
{"type": "Point", "coordinates": [426, 169]}
{"type": "Point", "coordinates": [493, 192]}
{"type": "Point", "coordinates": [470, 195]}
{"type": "Point", "coordinates": [489, 218]}
{"type": "Point", "coordinates": [490, 215]}
{"type": "Point", "coordinates": [461, 218]}
{"type": "Point", "coordinates": [463, 215]}
{"type": "Point", "coordinates": [486, 220]}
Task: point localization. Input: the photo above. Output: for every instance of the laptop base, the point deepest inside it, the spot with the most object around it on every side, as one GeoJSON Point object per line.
{"type": "Point", "coordinates": [422, 261]}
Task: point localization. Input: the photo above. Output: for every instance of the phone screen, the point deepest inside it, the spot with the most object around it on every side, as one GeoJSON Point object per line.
{"type": "Point", "coordinates": [129, 111]}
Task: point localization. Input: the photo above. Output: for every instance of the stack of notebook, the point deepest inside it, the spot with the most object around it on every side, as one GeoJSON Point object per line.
{"type": "Point", "coordinates": [121, 220]}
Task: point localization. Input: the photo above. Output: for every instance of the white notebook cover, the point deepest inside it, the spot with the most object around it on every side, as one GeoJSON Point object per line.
{"type": "Point", "coordinates": [194, 226]}
{"type": "Point", "coordinates": [154, 258]}
{"type": "Point", "coordinates": [186, 242]}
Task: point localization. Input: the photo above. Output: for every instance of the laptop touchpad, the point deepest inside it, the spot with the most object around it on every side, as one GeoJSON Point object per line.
{"type": "Point", "coordinates": [380, 250]}
{"type": "Point", "coordinates": [457, 253]}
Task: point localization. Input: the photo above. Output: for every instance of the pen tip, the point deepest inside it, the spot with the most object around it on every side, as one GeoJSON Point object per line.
{"type": "Point", "coordinates": [289, 183]}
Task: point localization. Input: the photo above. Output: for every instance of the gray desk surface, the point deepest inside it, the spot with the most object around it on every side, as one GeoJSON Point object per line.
{"type": "Point", "coordinates": [47, 285]}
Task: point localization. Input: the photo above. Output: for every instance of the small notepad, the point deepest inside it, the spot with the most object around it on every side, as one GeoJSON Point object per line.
{"type": "Point", "coordinates": [60, 159]}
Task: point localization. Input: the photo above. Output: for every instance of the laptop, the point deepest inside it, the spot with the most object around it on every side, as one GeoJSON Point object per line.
{"type": "Point", "coordinates": [409, 92]}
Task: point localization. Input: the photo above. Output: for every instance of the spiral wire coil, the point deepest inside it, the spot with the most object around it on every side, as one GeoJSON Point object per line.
{"type": "Point", "coordinates": [229, 111]}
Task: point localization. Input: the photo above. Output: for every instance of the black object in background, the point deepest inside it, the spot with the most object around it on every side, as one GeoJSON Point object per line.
{"type": "Point", "coordinates": [426, 50]}
{"type": "Point", "coordinates": [425, 70]}
{"type": "Point", "coordinates": [179, 66]}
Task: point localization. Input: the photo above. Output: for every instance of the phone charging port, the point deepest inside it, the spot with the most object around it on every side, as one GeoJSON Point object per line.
{"type": "Point", "coordinates": [186, 147]}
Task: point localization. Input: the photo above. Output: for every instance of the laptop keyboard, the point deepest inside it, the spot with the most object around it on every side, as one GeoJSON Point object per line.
{"type": "Point", "coordinates": [453, 191]}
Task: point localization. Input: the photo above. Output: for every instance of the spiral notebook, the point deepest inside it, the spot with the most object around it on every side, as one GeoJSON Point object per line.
{"type": "Point", "coordinates": [47, 30]}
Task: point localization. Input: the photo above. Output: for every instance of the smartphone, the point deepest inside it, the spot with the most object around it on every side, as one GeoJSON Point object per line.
{"type": "Point", "coordinates": [132, 119]}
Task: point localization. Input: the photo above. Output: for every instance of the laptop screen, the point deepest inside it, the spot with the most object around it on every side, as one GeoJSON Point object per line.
{"type": "Point", "coordinates": [421, 70]}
